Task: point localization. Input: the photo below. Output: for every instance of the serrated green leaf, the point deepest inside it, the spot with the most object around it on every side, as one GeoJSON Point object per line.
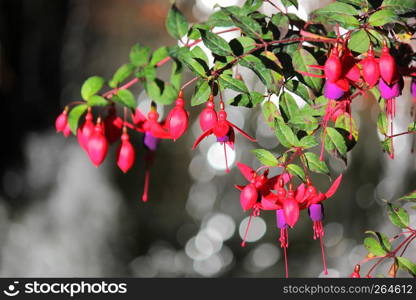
{"type": "Point", "coordinates": [315, 164]}
{"type": "Point", "coordinates": [285, 134]}
{"type": "Point", "coordinates": [91, 86]}
{"type": "Point", "coordinates": [247, 100]}
{"type": "Point", "coordinates": [96, 100]}
{"type": "Point", "coordinates": [215, 43]}
{"type": "Point", "coordinates": [220, 19]}
{"type": "Point", "coordinates": [176, 23]}
{"type": "Point", "coordinates": [247, 24]}
{"type": "Point", "coordinates": [398, 215]}
{"type": "Point", "coordinates": [126, 98]}
{"type": "Point", "coordinates": [139, 55]}
{"type": "Point", "coordinates": [382, 238]}
{"type": "Point", "coordinates": [270, 112]}
{"type": "Point", "coordinates": [359, 41]}
{"type": "Point", "coordinates": [382, 17]}
{"type": "Point", "coordinates": [197, 52]}
{"type": "Point", "coordinates": [202, 93]}
{"type": "Point", "coordinates": [74, 115]}
{"type": "Point", "coordinates": [407, 265]}
{"type": "Point", "coordinates": [297, 171]}
{"type": "Point", "coordinates": [301, 61]}
{"type": "Point", "coordinates": [265, 157]}
{"type": "Point", "coordinates": [242, 45]}
{"type": "Point", "coordinates": [304, 122]}
{"type": "Point", "coordinates": [337, 12]}
{"type": "Point", "coordinates": [374, 247]}
{"type": "Point", "coordinates": [337, 8]}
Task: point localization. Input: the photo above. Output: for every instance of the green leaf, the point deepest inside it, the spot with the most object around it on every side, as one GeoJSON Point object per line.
{"type": "Point", "coordinates": [198, 53]}
{"type": "Point", "coordinates": [265, 157]}
{"type": "Point", "coordinates": [163, 93]}
{"type": "Point", "coordinates": [297, 171]}
{"type": "Point", "coordinates": [270, 112]}
{"type": "Point", "coordinates": [121, 74]}
{"type": "Point", "coordinates": [160, 54]}
{"type": "Point", "coordinates": [91, 86]}
{"type": "Point", "coordinates": [215, 43]}
{"type": "Point", "coordinates": [285, 135]}
{"type": "Point", "coordinates": [348, 124]}
{"type": "Point", "coordinates": [400, 6]}
{"type": "Point", "coordinates": [289, 3]}
{"type": "Point", "coordinates": [202, 93]}
{"type": "Point", "coordinates": [374, 247]}
{"type": "Point", "coordinates": [220, 19]}
{"type": "Point", "coordinates": [252, 5]}
{"type": "Point", "coordinates": [338, 12]}
{"type": "Point", "coordinates": [409, 196]}
{"type": "Point", "coordinates": [248, 25]}
{"type": "Point", "coordinates": [359, 41]}
{"type": "Point", "coordinates": [382, 238]}
{"type": "Point", "coordinates": [299, 89]}
{"type": "Point", "coordinates": [288, 106]}
{"type": "Point", "coordinates": [96, 100]}
{"type": "Point", "coordinates": [314, 164]}
{"type": "Point", "coordinates": [231, 83]}
{"type": "Point", "coordinates": [407, 265]}
{"type": "Point", "coordinates": [358, 3]}
{"type": "Point", "coordinates": [382, 123]}
{"type": "Point", "coordinates": [382, 17]}
{"type": "Point", "coordinates": [176, 23]}
{"type": "Point", "coordinates": [74, 115]}
{"type": "Point", "coordinates": [412, 127]}
{"type": "Point", "coordinates": [398, 216]}
{"type": "Point", "coordinates": [139, 55]}
{"type": "Point", "coordinates": [301, 60]}
{"type": "Point", "coordinates": [257, 66]}
{"type": "Point", "coordinates": [126, 98]}
{"type": "Point", "coordinates": [308, 141]}
{"type": "Point", "coordinates": [184, 55]}
{"type": "Point", "coordinates": [335, 141]}
{"type": "Point", "coordinates": [247, 100]}
{"type": "Point", "coordinates": [242, 45]}
{"type": "Point", "coordinates": [304, 122]}
{"type": "Point", "coordinates": [176, 75]}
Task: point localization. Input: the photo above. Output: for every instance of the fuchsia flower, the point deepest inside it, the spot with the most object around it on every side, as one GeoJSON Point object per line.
{"type": "Point", "coordinates": [257, 195]}
{"type": "Point", "coordinates": [223, 131]}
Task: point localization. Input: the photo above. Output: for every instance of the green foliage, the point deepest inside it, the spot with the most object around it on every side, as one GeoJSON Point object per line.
{"type": "Point", "coordinates": [74, 116]}
{"type": "Point", "coordinates": [265, 157]}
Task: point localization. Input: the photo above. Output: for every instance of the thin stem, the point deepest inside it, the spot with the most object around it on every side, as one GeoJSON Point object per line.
{"type": "Point", "coordinates": [186, 84]}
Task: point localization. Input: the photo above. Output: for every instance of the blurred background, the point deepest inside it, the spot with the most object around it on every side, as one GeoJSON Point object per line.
{"type": "Point", "coordinates": [60, 216]}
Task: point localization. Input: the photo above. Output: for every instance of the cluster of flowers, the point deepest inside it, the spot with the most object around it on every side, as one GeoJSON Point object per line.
{"type": "Point", "coordinates": [263, 193]}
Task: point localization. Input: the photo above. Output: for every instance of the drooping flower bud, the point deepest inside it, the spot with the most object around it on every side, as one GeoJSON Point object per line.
{"type": "Point", "coordinates": [125, 153]}
{"type": "Point", "coordinates": [86, 130]}
{"type": "Point", "coordinates": [62, 120]}
{"type": "Point", "coordinates": [387, 64]}
{"type": "Point", "coordinates": [370, 67]}
{"type": "Point", "coordinates": [208, 117]}
{"type": "Point", "coordinates": [248, 197]}
{"type": "Point", "coordinates": [97, 145]}
{"type": "Point", "coordinates": [333, 66]}
{"type": "Point", "coordinates": [177, 119]}
{"type": "Point", "coordinates": [67, 130]}
{"type": "Point", "coordinates": [350, 69]}
{"type": "Point", "coordinates": [356, 273]}
{"type": "Point", "coordinates": [112, 126]}
{"type": "Point", "coordinates": [291, 208]}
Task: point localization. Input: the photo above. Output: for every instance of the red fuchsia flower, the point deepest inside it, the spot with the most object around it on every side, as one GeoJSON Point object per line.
{"type": "Point", "coordinates": [177, 119]}
{"type": "Point", "coordinates": [208, 117]}
{"type": "Point", "coordinates": [388, 67]}
{"type": "Point", "coordinates": [356, 273]}
{"type": "Point", "coordinates": [224, 132]}
{"type": "Point", "coordinates": [85, 131]}
{"type": "Point", "coordinates": [336, 90]}
{"type": "Point", "coordinates": [333, 66]}
{"type": "Point", "coordinates": [257, 195]}
{"type": "Point", "coordinates": [125, 153]}
{"type": "Point", "coordinates": [67, 130]}
{"type": "Point", "coordinates": [62, 121]}
{"type": "Point", "coordinates": [312, 199]}
{"type": "Point", "coordinates": [97, 145]}
{"type": "Point", "coordinates": [350, 69]}
{"type": "Point", "coordinates": [112, 125]}
{"type": "Point", "coordinates": [370, 68]}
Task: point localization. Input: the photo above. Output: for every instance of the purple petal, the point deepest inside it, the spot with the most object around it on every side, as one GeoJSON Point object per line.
{"type": "Point", "coordinates": [316, 212]}
{"type": "Point", "coordinates": [332, 91]}
{"type": "Point", "coordinates": [150, 141]}
{"type": "Point", "coordinates": [280, 219]}
{"type": "Point", "coordinates": [413, 87]}
{"type": "Point", "coordinates": [390, 91]}
{"type": "Point", "coordinates": [223, 139]}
